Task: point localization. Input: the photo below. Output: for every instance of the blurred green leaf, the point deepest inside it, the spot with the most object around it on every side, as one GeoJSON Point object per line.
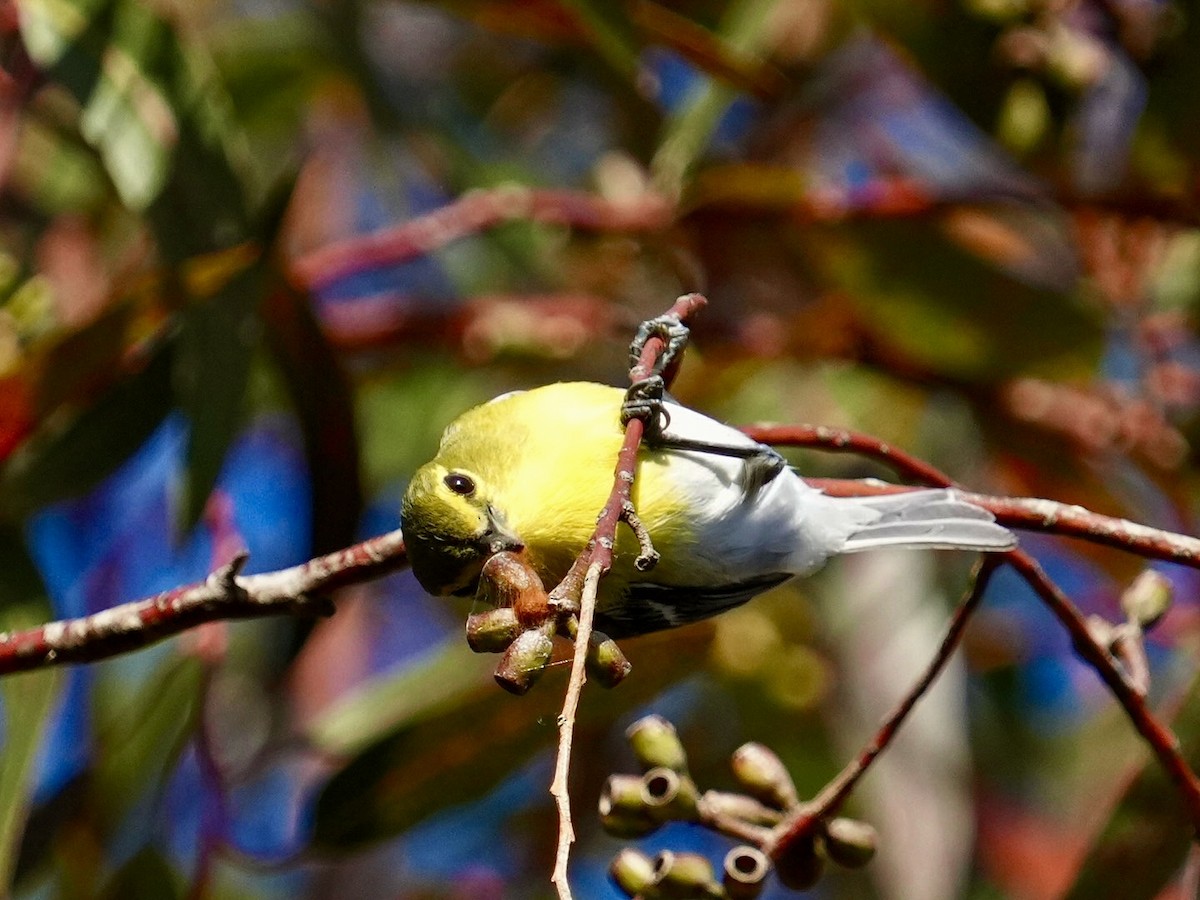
{"type": "Point", "coordinates": [474, 738]}
{"type": "Point", "coordinates": [217, 339]}
{"type": "Point", "coordinates": [610, 31]}
{"type": "Point", "coordinates": [27, 699]}
{"type": "Point", "coordinates": [689, 129]}
{"type": "Point", "coordinates": [69, 461]}
{"type": "Point", "coordinates": [948, 311]}
{"type": "Point", "coordinates": [321, 395]}
{"type": "Point", "coordinates": [145, 876]}
{"type": "Point", "coordinates": [1149, 832]}
{"type": "Point", "coordinates": [154, 111]}
{"type": "Point", "coordinates": [441, 679]}
{"type": "Point", "coordinates": [139, 736]}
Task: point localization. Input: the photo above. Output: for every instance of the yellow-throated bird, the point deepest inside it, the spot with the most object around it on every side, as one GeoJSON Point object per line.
{"type": "Point", "coordinates": [532, 469]}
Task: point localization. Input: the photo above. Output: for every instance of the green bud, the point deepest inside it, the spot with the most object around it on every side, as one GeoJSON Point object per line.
{"type": "Point", "coordinates": [849, 842]}
{"type": "Point", "coordinates": [668, 796]}
{"type": "Point", "coordinates": [746, 869]}
{"type": "Point", "coordinates": [656, 745]}
{"type": "Point", "coordinates": [606, 664]}
{"type": "Point", "coordinates": [524, 661]}
{"type": "Point", "coordinates": [493, 630]}
{"type": "Point", "coordinates": [1148, 598]}
{"type": "Point", "coordinates": [684, 876]}
{"type": "Point", "coordinates": [632, 871]}
{"type": "Point", "coordinates": [763, 774]}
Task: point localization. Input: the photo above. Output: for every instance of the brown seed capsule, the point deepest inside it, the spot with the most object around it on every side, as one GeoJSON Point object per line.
{"type": "Point", "coordinates": [849, 842]}
{"type": "Point", "coordinates": [507, 580]}
{"type": "Point", "coordinates": [746, 869]}
{"type": "Point", "coordinates": [633, 871]}
{"type": "Point", "coordinates": [763, 775]}
{"type": "Point", "coordinates": [524, 661]}
{"type": "Point", "coordinates": [656, 745]}
{"type": "Point", "coordinates": [493, 630]}
{"type": "Point", "coordinates": [739, 806]}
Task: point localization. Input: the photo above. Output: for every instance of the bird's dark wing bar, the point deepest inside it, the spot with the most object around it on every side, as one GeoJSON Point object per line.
{"type": "Point", "coordinates": [654, 607]}
{"type": "Point", "coordinates": [762, 462]}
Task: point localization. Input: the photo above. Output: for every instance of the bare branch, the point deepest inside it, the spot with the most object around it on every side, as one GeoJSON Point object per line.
{"type": "Point", "coordinates": [1051, 517]}
{"type": "Point", "coordinates": [224, 594]}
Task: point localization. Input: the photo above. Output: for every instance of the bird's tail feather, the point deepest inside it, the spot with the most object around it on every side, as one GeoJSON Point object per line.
{"type": "Point", "coordinates": [934, 519]}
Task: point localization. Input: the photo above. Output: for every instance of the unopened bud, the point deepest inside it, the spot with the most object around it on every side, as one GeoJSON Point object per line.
{"type": "Point", "coordinates": [633, 871]}
{"type": "Point", "coordinates": [524, 661]}
{"type": "Point", "coordinates": [606, 663]}
{"type": "Point", "coordinates": [656, 745]}
{"type": "Point", "coordinates": [849, 842]}
{"type": "Point", "coordinates": [668, 795]}
{"type": "Point", "coordinates": [684, 875]}
{"type": "Point", "coordinates": [746, 870]}
{"type": "Point", "coordinates": [800, 866]}
{"type": "Point", "coordinates": [763, 774]}
{"type": "Point", "coordinates": [493, 630]}
{"type": "Point", "coordinates": [740, 807]}
{"type": "Point", "coordinates": [1148, 598]}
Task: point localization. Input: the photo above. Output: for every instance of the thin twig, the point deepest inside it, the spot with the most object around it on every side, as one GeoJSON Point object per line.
{"type": "Point", "coordinates": [803, 822]}
{"type": "Point", "coordinates": [223, 595]}
{"type": "Point", "coordinates": [1051, 517]}
{"type": "Point", "coordinates": [597, 557]}
{"type": "Point", "coordinates": [559, 788]}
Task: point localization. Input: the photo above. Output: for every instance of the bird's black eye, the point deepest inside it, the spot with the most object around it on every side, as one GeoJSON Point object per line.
{"type": "Point", "coordinates": [460, 484]}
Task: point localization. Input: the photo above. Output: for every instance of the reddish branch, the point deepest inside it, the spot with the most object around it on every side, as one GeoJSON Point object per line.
{"type": "Point", "coordinates": [803, 823]}
{"type": "Point", "coordinates": [474, 212]}
{"type": "Point", "coordinates": [1161, 739]}
{"type": "Point", "coordinates": [223, 595]}
{"type": "Point", "coordinates": [1052, 517]}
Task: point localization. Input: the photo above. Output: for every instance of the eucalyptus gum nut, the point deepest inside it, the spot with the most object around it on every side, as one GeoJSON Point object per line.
{"type": "Point", "coordinates": [656, 744]}
{"type": "Point", "coordinates": [620, 824]}
{"type": "Point", "coordinates": [624, 794]}
{"type": "Point", "coordinates": [849, 842]}
{"type": "Point", "coordinates": [745, 872]}
{"type": "Point", "coordinates": [800, 867]}
{"type": "Point", "coordinates": [524, 661]}
{"type": "Point", "coordinates": [633, 871]}
{"type": "Point", "coordinates": [492, 631]}
{"type": "Point", "coordinates": [683, 875]}
{"type": "Point", "coordinates": [762, 773]}
{"type": "Point", "coordinates": [667, 795]}
{"type": "Point", "coordinates": [1148, 598]}
{"type": "Point", "coordinates": [606, 662]}
{"type": "Point", "coordinates": [741, 807]}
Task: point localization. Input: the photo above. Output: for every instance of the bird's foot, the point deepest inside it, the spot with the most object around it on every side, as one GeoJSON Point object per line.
{"type": "Point", "coordinates": [670, 330]}
{"type": "Point", "coordinates": [644, 400]}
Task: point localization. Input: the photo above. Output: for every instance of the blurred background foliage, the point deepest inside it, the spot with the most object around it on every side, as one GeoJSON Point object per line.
{"type": "Point", "coordinates": [256, 255]}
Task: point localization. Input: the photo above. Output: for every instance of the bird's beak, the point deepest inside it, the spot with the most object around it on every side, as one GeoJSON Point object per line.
{"type": "Point", "coordinates": [498, 537]}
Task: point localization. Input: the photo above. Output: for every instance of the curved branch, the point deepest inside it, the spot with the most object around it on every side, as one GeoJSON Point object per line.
{"type": "Point", "coordinates": [1050, 517]}
{"type": "Point", "coordinates": [223, 595]}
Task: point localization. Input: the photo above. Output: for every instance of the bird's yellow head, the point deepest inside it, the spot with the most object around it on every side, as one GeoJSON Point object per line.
{"type": "Point", "coordinates": [451, 528]}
